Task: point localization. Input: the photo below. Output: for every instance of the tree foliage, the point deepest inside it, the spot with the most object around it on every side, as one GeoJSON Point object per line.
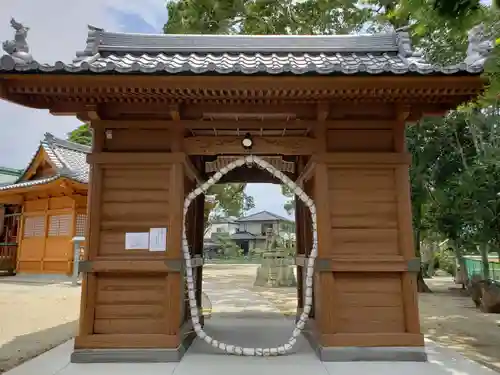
{"type": "Point", "coordinates": [82, 135]}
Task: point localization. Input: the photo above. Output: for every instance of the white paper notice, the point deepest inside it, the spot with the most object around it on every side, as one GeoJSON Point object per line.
{"type": "Point", "coordinates": [158, 239]}
{"type": "Point", "coordinates": [137, 241]}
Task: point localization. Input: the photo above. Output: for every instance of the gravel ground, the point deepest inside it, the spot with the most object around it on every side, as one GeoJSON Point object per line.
{"type": "Point", "coordinates": [35, 317]}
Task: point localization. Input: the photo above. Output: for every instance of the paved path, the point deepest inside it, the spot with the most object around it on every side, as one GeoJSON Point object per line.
{"type": "Point", "coordinates": [245, 318]}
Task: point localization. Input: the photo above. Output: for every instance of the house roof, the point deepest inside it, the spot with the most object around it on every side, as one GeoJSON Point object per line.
{"type": "Point", "coordinates": [263, 216]}
{"type": "Point", "coordinates": [111, 53]}
{"type": "Point", "coordinates": [8, 175]}
{"type": "Point", "coordinates": [224, 220]}
{"type": "Point", "coordinates": [10, 171]}
{"type": "Point", "coordinates": [68, 158]}
{"type": "Point", "coordinates": [242, 235]}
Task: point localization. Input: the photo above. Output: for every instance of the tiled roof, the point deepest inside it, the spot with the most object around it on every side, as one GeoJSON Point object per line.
{"type": "Point", "coordinates": [242, 235]}
{"type": "Point", "coordinates": [262, 216]}
{"type": "Point", "coordinates": [10, 171]}
{"type": "Point", "coordinates": [69, 159]}
{"type": "Point", "coordinates": [108, 52]}
{"type": "Point", "coordinates": [224, 220]}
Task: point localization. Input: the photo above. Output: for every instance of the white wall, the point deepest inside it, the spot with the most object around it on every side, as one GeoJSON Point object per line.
{"type": "Point", "coordinates": [256, 228]}
{"type": "Point", "coordinates": [229, 228]}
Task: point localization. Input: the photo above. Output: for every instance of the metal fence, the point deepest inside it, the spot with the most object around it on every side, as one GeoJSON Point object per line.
{"type": "Point", "coordinates": [475, 266]}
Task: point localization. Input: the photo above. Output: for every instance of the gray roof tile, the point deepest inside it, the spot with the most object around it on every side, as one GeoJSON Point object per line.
{"type": "Point", "coordinates": [69, 159]}
{"type": "Point", "coordinates": [243, 235]}
{"type": "Point", "coordinates": [263, 216]}
{"type": "Point", "coordinates": [107, 52]}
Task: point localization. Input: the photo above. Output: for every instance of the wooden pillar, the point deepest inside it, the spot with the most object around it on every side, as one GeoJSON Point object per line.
{"type": "Point", "coordinates": [299, 241]}
{"type": "Point", "coordinates": [20, 236]}
{"type": "Point", "coordinates": [366, 305]}
{"type": "Point", "coordinates": [300, 251]}
{"type": "Point", "coordinates": [405, 228]}
{"type": "Point", "coordinates": [132, 298]}
{"type": "Point", "coordinates": [89, 280]}
{"type": "Point", "coordinates": [45, 235]}
{"type": "Point", "coordinates": [198, 247]}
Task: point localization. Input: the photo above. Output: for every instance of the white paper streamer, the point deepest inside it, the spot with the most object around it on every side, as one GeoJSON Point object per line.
{"type": "Point", "coordinates": [195, 314]}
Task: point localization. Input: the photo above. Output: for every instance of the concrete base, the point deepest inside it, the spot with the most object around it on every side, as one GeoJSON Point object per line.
{"type": "Point", "coordinates": [127, 355]}
{"type": "Point", "coordinates": [383, 354]}
{"type": "Point", "coordinates": [358, 353]}
{"type": "Point", "coordinates": [133, 355]}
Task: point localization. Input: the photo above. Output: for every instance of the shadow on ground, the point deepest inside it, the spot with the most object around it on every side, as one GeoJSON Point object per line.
{"type": "Point", "coordinates": [25, 347]}
{"type": "Point", "coordinates": [448, 317]}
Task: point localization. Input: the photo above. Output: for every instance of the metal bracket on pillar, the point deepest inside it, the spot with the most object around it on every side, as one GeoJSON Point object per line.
{"type": "Point", "coordinates": [414, 265]}
{"type": "Point", "coordinates": [176, 265]}
{"type": "Point", "coordinates": [85, 266]}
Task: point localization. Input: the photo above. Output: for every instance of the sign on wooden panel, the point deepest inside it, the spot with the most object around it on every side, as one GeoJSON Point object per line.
{"type": "Point", "coordinates": [137, 241]}
{"type": "Point", "coordinates": [158, 239]}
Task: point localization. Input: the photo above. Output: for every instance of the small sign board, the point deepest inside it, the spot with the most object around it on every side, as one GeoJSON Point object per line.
{"type": "Point", "coordinates": [136, 241]}
{"type": "Point", "coordinates": [158, 239]}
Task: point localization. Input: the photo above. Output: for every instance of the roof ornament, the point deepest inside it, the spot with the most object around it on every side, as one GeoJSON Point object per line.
{"type": "Point", "coordinates": [403, 41]}
{"type": "Point", "coordinates": [18, 48]}
{"type": "Point", "coordinates": [480, 45]}
{"type": "Point", "coordinates": [48, 137]}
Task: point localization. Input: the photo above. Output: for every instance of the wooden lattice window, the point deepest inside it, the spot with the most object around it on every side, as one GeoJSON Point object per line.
{"type": "Point", "coordinates": [81, 223]}
{"type": "Point", "coordinates": [60, 225]}
{"type": "Point", "coordinates": [34, 226]}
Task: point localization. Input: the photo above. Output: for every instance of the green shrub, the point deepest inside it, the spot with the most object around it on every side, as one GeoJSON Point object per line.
{"type": "Point", "coordinates": [445, 261]}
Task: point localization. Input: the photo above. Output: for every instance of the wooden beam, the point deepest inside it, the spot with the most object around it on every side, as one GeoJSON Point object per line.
{"type": "Point", "coordinates": [369, 159]}
{"type": "Point", "coordinates": [429, 82]}
{"type": "Point", "coordinates": [192, 172]}
{"type": "Point", "coordinates": [11, 199]}
{"type": "Point", "coordinates": [402, 112]}
{"type": "Point", "coordinates": [89, 111]}
{"type": "Point", "coordinates": [262, 145]}
{"type": "Point", "coordinates": [416, 112]}
{"type": "Point", "coordinates": [174, 111]}
{"type": "Point", "coordinates": [127, 158]}
{"type": "Point", "coordinates": [93, 115]}
{"type": "Point", "coordinates": [306, 173]}
{"type": "Point", "coordinates": [242, 125]}
{"type": "Point", "coordinates": [323, 110]}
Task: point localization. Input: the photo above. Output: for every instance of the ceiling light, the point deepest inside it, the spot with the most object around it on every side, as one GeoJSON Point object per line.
{"type": "Point", "coordinates": [247, 142]}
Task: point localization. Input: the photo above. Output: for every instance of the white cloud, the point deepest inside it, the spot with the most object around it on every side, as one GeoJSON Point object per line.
{"type": "Point", "coordinates": [154, 12]}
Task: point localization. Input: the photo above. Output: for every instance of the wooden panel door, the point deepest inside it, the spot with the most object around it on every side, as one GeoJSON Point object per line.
{"type": "Point", "coordinates": [133, 298]}
{"type": "Point", "coordinates": [367, 291]}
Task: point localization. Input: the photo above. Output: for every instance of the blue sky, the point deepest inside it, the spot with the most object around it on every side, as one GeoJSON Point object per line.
{"type": "Point", "coordinates": [59, 39]}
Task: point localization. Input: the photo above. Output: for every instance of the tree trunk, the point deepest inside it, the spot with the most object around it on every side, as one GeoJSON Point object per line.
{"type": "Point", "coordinates": [433, 247]}
{"type": "Point", "coordinates": [422, 287]}
{"type": "Point", "coordinates": [461, 262]}
{"type": "Point", "coordinates": [483, 248]}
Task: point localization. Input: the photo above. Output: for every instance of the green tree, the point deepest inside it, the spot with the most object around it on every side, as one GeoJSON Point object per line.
{"type": "Point", "coordinates": [265, 17]}
{"type": "Point", "coordinates": [289, 204]}
{"type": "Point", "coordinates": [82, 135]}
